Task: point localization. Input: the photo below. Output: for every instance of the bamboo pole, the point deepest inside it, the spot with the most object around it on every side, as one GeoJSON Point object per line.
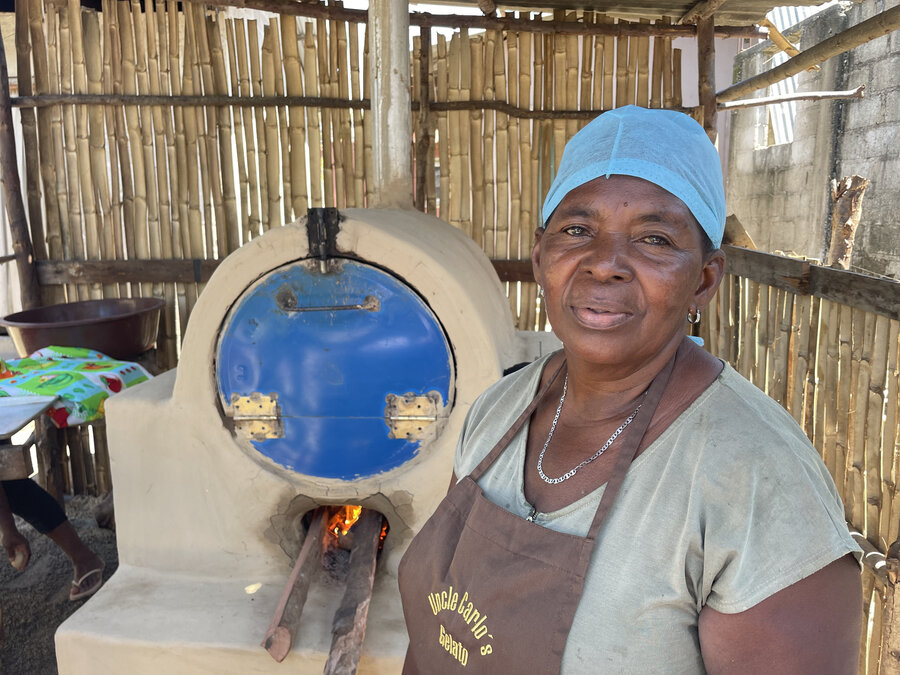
{"type": "Point", "coordinates": [621, 81]}
{"type": "Point", "coordinates": [656, 74]}
{"type": "Point", "coordinates": [252, 223]}
{"type": "Point", "coordinates": [210, 170]}
{"type": "Point", "coordinates": [442, 86]}
{"type": "Point", "coordinates": [167, 349]}
{"type": "Point", "coordinates": [287, 214]}
{"type": "Point", "coordinates": [706, 60]}
{"type": "Point", "coordinates": [194, 241]}
{"type": "Point", "coordinates": [273, 156]}
{"type": "Point", "coordinates": [112, 241]}
{"type": "Point", "coordinates": [559, 96]}
{"type": "Point", "coordinates": [571, 74]}
{"type": "Point", "coordinates": [676, 78]}
{"type": "Point", "coordinates": [481, 142]}
{"type": "Point", "coordinates": [854, 336]}
{"type": "Point", "coordinates": [225, 133]}
{"type": "Point", "coordinates": [73, 247]}
{"type": "Point", "coordinates": [54, 161]}
{"type": "Point", "coordinates": [875, 478]}
{"type": "Point", "coordinates": [359, 166]}
{"type": "Point", "coordinates": [37, 141]}
{"type": "Point", "coordinates": [136, 235]}
{"type": "Point", "coordinates": [802, 327]}
{"type": "Point", "coordinates": [890, 456]}
{"type": "Point", "coordinates": [144, 116]}
{"type": "Point", "coordinates": [367, 123]}
{"type": "Point", "coordinates": [465, 94]}
{"type": "Point", "coordinates": [293, 70]}
{"type": "Point", "coordinates": [455, 122]}
{"type": "Point", "coordinates": [322, 53]}
{"type": "Point", "coordinates": [782, 346]}
{"type": "Point", "coordinates": [346, 129]}
{"type": "Point", "coordinates": [12, 195]}
{"type": "Point", "coordinates": [102, 245]}
{"type": "Point", "coordinates": [529, 216]}
{"type": "Point", "coordinates": [643, 70]}
{"type": "Point", "coordinates": [311, 82]}
{"type": "Point", "coordinates": [181, 239]}
{"type": "Point", "coordinates": [511, 248]}
{"type": "Point", "coordinates": [632, 71]}
{"type": "Point", "coordinates": [610, 53]}
{"type": "Point", "coordinates": [831, 316]}
{"type": "Point", "coordinates": [237, 68]}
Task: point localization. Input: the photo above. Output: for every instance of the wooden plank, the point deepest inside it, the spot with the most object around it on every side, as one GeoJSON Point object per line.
{"type": "Point", "coordinates": [51, 272]}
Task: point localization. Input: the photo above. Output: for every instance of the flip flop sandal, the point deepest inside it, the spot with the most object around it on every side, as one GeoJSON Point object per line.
{"type": "Point", "coordinates": [77, 593]}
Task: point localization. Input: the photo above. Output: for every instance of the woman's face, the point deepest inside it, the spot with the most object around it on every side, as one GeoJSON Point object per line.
{"type": "Point", "coordinates": [621, 262]}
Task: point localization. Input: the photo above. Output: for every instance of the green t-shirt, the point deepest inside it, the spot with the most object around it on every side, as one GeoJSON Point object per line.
{"type": "Point", "coordinates": [730, 505]}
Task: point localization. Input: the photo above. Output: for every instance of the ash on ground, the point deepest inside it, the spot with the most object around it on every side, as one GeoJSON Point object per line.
{"type": "Point", "coordinates": [35, 601]}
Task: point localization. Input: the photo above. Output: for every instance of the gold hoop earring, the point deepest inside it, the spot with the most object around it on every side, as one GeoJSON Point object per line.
{"type": "Point", "coordinates": [694, 318]}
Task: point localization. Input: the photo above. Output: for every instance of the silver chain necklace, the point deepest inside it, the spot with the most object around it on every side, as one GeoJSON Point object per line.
{"type": "Point", "coordinates": [571, 472]}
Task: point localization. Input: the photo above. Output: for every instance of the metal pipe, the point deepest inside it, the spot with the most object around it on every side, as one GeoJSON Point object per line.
{"type": "Point", "coordinates": [391, 128]}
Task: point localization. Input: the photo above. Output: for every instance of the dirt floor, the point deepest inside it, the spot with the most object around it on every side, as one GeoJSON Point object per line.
{"type": "Point", "coordinates": [35, 601]}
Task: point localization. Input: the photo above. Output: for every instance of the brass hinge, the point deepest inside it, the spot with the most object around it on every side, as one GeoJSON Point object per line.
{"type": "Point", "coordinates": [408, 416]}
{"type": "Point", "coordinates": [256, 417]}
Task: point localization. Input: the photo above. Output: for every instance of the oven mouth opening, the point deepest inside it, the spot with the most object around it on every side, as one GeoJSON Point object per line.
{"type": "Point", "coordinates": [344, 528]}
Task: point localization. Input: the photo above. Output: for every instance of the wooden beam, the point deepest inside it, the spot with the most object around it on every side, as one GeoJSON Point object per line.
{"type": "Point", "coordinates": [702, 10]}
{"type": "Point", "coordinates": [859, 92]}
{"type": "Point", "coordinates": [55, 272]}
{"type": "Point", "coordinates": [508, 23]}
{"type": "Point", "coordinates": [878, 25]}
{"type": "Point", "coordinates": [12, 194]}
{"type": "Point", "coordinates": [860, 291]}
{"type": "Point", "coordinates": [780, 41]}
{"type": "Point", "coordinates": [45, 100]}
{"type": "Point", "coordinates": [706, 80]}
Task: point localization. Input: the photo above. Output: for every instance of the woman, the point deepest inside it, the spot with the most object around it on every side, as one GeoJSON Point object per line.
{"type": "Point", "coordinates": [647, 510]}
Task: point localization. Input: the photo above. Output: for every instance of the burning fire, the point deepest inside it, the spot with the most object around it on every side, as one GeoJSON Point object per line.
{"type": "Point", "coordinates": [343, 519]}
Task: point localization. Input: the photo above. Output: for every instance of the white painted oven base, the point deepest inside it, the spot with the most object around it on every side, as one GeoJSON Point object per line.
{"type": "Point", "coordinates": [144, 622]}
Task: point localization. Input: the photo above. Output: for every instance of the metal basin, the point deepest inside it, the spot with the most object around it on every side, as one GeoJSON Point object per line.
{"type": "Point", "coordinates": [121, 328]}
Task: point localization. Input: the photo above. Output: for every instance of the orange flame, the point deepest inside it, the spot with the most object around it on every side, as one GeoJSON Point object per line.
{"type": "Point", "coordinates": [343, 520]}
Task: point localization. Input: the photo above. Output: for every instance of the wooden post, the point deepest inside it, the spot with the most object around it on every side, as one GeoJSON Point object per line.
{"type": "Point", "coordinates": [12, 192]}
{"type": "Point", "coordinates": [706, 81]}
{"type": "Point", "coordinates": [424, 154]}
{"type": "Point", "coordinates": [847, 197]}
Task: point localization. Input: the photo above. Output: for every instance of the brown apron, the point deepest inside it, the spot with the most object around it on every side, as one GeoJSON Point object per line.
{"type": "Point", "coordinates": [485, 591]}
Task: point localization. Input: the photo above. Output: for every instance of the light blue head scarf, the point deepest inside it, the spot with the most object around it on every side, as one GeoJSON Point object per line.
{"type": "Point", "coordinates": [664, 147]}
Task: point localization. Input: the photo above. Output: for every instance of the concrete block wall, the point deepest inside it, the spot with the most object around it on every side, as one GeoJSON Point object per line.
{"type": "Point", "coordinates": [781, 193]}
{"type": "Point", "coordinates": [870, 144]}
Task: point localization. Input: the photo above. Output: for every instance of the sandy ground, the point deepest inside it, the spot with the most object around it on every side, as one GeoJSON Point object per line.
{"type": "Point", "coordinates": [35, 601]}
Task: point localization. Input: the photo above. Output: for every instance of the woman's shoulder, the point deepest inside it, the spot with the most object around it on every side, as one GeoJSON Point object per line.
{"type": "Point", "coordinates": [518, 385]}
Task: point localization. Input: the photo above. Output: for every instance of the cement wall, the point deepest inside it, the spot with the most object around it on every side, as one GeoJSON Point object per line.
{"type": "Point", "coordinates": [781, 192]}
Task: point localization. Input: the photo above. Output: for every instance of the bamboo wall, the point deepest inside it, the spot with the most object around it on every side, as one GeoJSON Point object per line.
{"type": "Point", "coordinates": [136, 182]}
{"type": "Point", "coordinates": [110, 181]}
{"type": "Point", "coordinates": [834, 366]}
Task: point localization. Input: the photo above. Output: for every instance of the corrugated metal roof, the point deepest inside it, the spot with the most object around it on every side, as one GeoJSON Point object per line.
{"type": "Point", "coordinates": [732, 12]}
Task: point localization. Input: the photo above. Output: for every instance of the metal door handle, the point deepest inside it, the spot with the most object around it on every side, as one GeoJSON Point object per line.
{"type": "Point", "coordinates": [287, 301]}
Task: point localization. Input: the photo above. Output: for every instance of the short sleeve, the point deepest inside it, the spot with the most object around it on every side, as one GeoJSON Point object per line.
{"type": "Point", "coordinates": [771, 514]}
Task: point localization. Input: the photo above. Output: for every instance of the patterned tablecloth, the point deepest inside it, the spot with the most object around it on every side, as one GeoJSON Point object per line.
{"type": "Point", "coordinates": [82, 379]}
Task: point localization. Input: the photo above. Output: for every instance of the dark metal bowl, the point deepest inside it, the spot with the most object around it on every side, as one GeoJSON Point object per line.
{"type": "Point", "coordinates": [121, 328]}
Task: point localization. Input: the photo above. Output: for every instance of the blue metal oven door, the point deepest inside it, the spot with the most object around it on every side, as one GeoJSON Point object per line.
{"type": "Point", "coordinates": [340, 374]}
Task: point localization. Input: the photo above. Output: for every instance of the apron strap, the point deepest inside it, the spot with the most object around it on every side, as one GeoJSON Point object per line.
{"type": "Point", "coordinates": [632, 443]}
{"type": "Point", "coordinates": [486, 463]}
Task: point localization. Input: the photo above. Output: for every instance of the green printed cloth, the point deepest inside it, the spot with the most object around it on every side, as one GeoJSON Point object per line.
{"type": "Point", "coordinates": [82, 379]}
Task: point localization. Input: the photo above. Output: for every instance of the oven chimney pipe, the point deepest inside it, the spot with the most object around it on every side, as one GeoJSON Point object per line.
{"type": "Point", "coordinates": [392, 126]}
